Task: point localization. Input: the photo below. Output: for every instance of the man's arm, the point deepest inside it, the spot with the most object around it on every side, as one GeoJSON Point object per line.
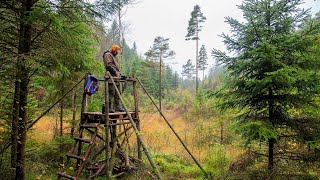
{"type": "Point", "coordinates": [110, 65]}
{"type": "Point", "coordinates": [112, 71]}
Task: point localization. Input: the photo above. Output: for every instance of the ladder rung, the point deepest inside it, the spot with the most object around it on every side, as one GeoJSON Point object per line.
{"type": "Point", "coordinates": [120, 113]}
{"type": "Point", "coordinates": [88, 126]}
{"type": "Point", "coordinates": [82, 140]}
{"type": "Point", "coordinates": [75, 156]}
{"type": "Point", "coordinates": [115, 119]}
{"type": "Point", "coordinates": [66, 175]}
{"type": "Point", "coordinates": [120, 123]}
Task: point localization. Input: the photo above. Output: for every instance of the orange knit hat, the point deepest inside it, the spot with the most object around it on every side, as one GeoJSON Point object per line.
{"type": "Point", "coordinates": [115, 48]}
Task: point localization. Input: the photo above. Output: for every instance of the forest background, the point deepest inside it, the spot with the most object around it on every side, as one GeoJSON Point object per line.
{"type": "Point", "coordinates": [255, 115]}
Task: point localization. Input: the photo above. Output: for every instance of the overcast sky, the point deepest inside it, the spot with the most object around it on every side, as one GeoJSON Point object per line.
{"type": "Point", "coordinates": [169, 19]}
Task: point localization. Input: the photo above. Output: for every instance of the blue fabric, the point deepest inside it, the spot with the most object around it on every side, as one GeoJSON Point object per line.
{"type": "Point", "coordinates": [91, 85]}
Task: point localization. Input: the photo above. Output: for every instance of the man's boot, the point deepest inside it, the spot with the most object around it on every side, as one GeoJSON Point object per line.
{"type": "Point", "coordinates": [118, 105]}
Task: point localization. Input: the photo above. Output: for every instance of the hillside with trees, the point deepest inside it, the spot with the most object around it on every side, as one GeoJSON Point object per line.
{"type": "Point", "coordinates": [249, 110]}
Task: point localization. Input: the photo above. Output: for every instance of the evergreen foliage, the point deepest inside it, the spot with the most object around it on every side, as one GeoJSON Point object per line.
{"type": "Point", "coordinates": [169, 82]}
{"type": "Point", "coordinates": [41, 39]}
{"type": "Point", "coordinates": [188, 70]}
{"type": "Point", "coordinates": [160, 50]}
{"type": "Point", "coordinates": [195, 23]}
{"type": "Point", "coordinates": [202, 64]}
{"type": "Point", "coordinates": [273, 72]}
{"type": "Point", "coordinates": [270, 77]}
{"type": "Point", "coordinates": [114, 32]}
{"type": "Point", "coordinates": [203, 58]}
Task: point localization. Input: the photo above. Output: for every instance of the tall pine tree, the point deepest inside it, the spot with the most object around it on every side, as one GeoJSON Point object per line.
{"type": "Point", "coordinates": [160, 51]}
{"type": "Point", "coordinates": [194, 27]}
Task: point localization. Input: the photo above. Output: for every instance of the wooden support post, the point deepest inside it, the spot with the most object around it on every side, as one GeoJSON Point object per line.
{"type": "Point", "coordinates": [106, 104]}
{"type": "Point", "coordinates": [113, 156]}
{"type": "Point", "coordinates": [83, 109]}
{"type": "Point", "coordinates": [136, 108]}
{"type": "Point", "coordinates": [114, 144]}
{"type": "Point", "coordinates": [84, 99]}
{"type": "Point", "coordinates": [74, 111]}
{"type": "Point", "coordinates": [127, 147]}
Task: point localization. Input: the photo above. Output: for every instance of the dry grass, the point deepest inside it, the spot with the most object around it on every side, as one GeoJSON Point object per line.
{"type": "Point", "coordinates": [2, 126]}
{"type": "Point", "coordinates": [155, 132]}
{"type": "Point", "coordinates": [45, 129]}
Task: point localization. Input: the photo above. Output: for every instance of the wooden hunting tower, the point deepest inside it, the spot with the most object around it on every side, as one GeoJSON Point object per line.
{"type": "Point", "coordinates": [101, 146]}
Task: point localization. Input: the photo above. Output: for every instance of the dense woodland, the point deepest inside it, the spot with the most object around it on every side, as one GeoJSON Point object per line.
{"type": "Point", "coordinates": [254, 115]}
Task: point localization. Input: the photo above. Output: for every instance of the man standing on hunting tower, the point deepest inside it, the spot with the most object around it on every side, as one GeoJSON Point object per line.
{"type": "Point", "coordinates": [112, 66]}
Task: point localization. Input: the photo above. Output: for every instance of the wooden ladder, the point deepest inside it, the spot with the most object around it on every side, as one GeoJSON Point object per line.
{"type": "Point", "coordinates": [81, 159]}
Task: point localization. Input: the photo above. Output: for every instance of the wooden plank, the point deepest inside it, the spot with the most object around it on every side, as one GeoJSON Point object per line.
{"type": "Point", "coordinates": [65, 175]}
{"type": "Point", "coordinates": [82, 140]}
{"type": "Point", "coordinates": [75, 156]}
{"type": "Point", "coordinates": [89, 126]}
{"type": "Point", "coordinates": [119, 123]}
{"type": "Point", "coordinates": [110, 114]}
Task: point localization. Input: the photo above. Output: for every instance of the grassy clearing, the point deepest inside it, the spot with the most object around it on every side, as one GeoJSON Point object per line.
{"type": "Point", "coordinates": [167, 151]}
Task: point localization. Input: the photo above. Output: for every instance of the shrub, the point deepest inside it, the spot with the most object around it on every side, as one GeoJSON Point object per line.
{"type": "Point", "coordinates": [216, 163]}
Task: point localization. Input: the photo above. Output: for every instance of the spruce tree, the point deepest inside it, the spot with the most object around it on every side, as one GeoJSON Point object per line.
{"type": "Point", "coordinates": [119, 11]}
{"type": "Point", "coordinates": [188, 70]}
{"type": "Point", "coordinates": [114, 32]}
{"type": "Point", "coordinates": [271, 72]}
{"type": "Point", "coordinates": [203, 61]}
{"type": "Point", "coordinates": [194, 27]}
{"type": "Point", "coordinates": [169, 76]}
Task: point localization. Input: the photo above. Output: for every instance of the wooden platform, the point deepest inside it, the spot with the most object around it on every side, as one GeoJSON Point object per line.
{"type": "Point", "coordinates": [98, 117]}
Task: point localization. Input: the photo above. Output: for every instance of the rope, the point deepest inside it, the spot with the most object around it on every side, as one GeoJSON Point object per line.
{"type": "Point", "coordinates": [194, 159]}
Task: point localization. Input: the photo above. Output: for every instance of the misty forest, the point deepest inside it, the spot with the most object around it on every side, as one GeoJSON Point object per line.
{"type": "Point", "coordinates": [248, 111]}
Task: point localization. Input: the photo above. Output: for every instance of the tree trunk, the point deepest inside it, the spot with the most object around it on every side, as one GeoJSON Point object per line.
{"type": "Point", "coordinates": [197, 42]}
{"type": "Point", "coordinates": [221, 132]}
{"type": "Point", "coordinates": [120, 35]}
{"type": "Point", "coordinates": [22, 124]}
{"type": "Point", "coordinates": [203, 79]}
{"type": "Point", "coordinates": [61, 120]}
{"type": "Point", "coordinates": [271, 141]}
{"type": "Point", "coordinates": [271, 156]}
{"type": "Point", "coordinates": [21, 92]}
{"type": "Point", "coordinates": [15, 119]}
{"type": "Point", "coordinates": [160, 85]}
{"type": "Point", "coordinates": [61, 108]}
{"type": "Point", "coordinates": [56, 115]}
{"type": "Point", "coordinates": [73, 112]}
